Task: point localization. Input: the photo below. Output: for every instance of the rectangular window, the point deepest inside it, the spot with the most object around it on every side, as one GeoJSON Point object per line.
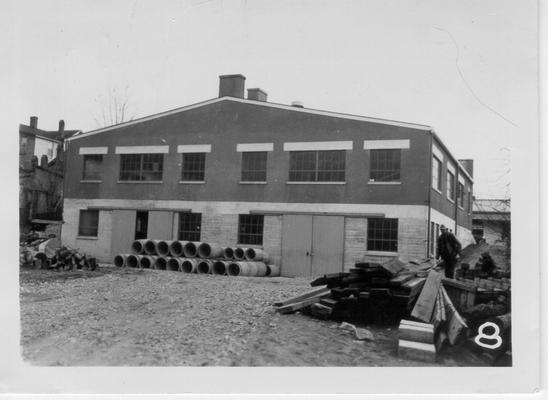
{"type": "Point", "coordinates": [382, 234]}
{"type": "Point", "coordinates": [254, 166]}
{"type": "Point", "coordinates": [141, 167]}
{"type": "Point", "coordinates": [317, 166]}
{"type": "Point", "coordinates": [193, 167]}
{"type": "Point", "coordinates": [436, 173]}
{"type": "Point", "coordinates": [190, 226]}
{"type": "Point", "coordinates": [92, 167]}
{"type": "Point", "coordinates": [89, 223]}
{"type": "Point", "coordinates": [460, 194]}
{"type": "Point", "coordinates": [469, 201]}
{"type": "Point", "coordinates": [250, 229]}
{"type": "Point", "coordinates": [385, 165]}
{"type": "Point", "coordinates": [450, 186]}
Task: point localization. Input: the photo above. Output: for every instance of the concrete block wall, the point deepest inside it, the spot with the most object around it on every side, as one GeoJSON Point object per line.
{"type": "Point", "coordinates": [412, 239]}
{"type": "Point", "coordinates": [355, 244]}
{"type": "Point", "coordinates": [98, 247]}
{"type": "Point", "coordinates": [272, 238]}
{"type": "Point", "coordinates": [221, 229]}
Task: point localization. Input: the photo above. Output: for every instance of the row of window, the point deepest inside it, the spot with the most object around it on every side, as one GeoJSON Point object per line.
{"type": "Point", "coordinates": [450, 179]}
{"type": "Point", "coordinates": [304, 166]}
{"type": "Point", "coordinates": [382, 233]}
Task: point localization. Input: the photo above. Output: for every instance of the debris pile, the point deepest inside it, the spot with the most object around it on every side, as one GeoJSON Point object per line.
{"type": "Point", "coordinates": [197, 257]}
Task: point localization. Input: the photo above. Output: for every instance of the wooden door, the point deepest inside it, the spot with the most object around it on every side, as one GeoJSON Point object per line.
{"type": "Point", "coordinates": [123, 232]}
{"type": "Point", "coordinates": [160, 225]}
{"type": "Point", "coordinates": [296, 245]}
{"type": "Point", "coordinates": [327, 244]}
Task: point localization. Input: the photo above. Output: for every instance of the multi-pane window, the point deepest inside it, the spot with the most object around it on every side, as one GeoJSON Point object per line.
{"type": "Point", "coordinates": [450, 185]}
{"type": "Point", "coordinates": [460, 194]}
{"type": "Point", "coordinates": [385, 165]}
{"type": "Point", "coordinates": [436, 173]}
{"type": "Point", "coordinates": [317, 166]}
{"type": "Point", "coordinates": [382, 234]}
{"type": "Point", "coordinates": [193, 167]}
{"type": "Point", "coordinates": [250, 229]}
{"type": "Point", "coordinates": [141, 167]}
{"type": "Point", "coordinates": [254, 166]}
{"type": "Point", "coordinates": [89, 223]}
{"type": "Point", "coordinates": [190, 226]}
{"type": "Point", "coordinates": [92, 167]}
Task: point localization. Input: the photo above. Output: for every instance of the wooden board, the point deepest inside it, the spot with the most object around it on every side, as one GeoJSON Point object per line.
{"type": "Point", "coordinates": [401, 279]}
{"type": "Point", "coordinates": [417, 351]}
{"type": "Point", "coordinates": [303, 296]}
{"type": "Point", "coordinates": [415, 333]}
{"type": "Point", "coordinates": [456, 327]}
{"type": "Point", "coordinates": [427, 299]}
{"type": "Point", "coordinates": [292, 307]}
{"type": "Point", "coordinates": [393, 267]}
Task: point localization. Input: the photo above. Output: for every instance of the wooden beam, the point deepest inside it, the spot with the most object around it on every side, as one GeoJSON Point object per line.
{"type": "Point", "coordinates": [303, 296]}
{"type": "Point", "coordinates": [427, 299]}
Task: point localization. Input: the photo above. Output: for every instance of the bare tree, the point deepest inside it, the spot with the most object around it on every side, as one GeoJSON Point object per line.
{"type": "Point", "coordinates": [114, 108]}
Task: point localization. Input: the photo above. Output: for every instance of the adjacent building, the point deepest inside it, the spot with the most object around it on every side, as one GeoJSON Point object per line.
{"type": "Point", "coordinates": [319, 190]}
{"type": "Point", "coordinates": [491, 220]}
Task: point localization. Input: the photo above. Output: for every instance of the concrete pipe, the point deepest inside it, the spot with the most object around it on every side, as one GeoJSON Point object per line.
{"type": "Point", "coordinates": [252, 254]}
{"type": "Point", "coordinates": [241, 268]}
{"type": "Point", "coordinates": [209, 250]}
{"type": "Point", "coordinates": [176, 248]}
{"type": "Point", "coordinates": [205, 267]}
{"type": "Point", "coordinates": [228, 253]}
{"type": "Point", "coordinates": [160, 263]}
{"type": "Point", "coordinates": [148, 261]}
{"type": "Point", "coordinates": [133, 260]}
{"type": "Point", "coordinates": [162, 247]}
{"type": "Point", "coordinates": [150, 247]}
{"type": "Point", "coordinates": [121, 260]}
{"type": "Point", "coordinates": [273, 270]}
{"type": "Point", "coordinates": [191, 249]}
{"type": "Point", "coordinates": [138, 246]}
{"type": "Point", "coordinates": [189, 265]}
{"type": "Point", "coordinates": [174, 263]}
{"type": "Point", "coordinates": [239, 253]}
{"type": "Point", "coordinates": [220, 267]}
{"type": "Point", "coordinates": [261, 268]}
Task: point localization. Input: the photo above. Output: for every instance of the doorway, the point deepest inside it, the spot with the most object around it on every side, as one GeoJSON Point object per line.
{"type": "Point", "coordinates": [141, 225]}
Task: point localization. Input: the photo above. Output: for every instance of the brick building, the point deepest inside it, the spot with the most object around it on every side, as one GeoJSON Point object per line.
{"type": "Point", "coordinates": [318, 190]}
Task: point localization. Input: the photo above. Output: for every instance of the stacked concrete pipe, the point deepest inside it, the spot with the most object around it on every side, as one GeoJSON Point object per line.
{"type": "Point", "coordinates": [239, 253]}
{"type": "Point", "coordinates": [272, 270]}
{"type": "Point", "coordinates": [148, 261]}
{"type": "Point", "coordinates": [162, 247]}
{"type": "Point", "coordinates": [205, 267]}
{"type": "Point", "coordinates": [175, 263]}
{"type": "Point", "coordinates": [209, 250]}
{"type": "Point", "coordinates": [220, 267]}
{"type": "Point", "coordinates": [228, 253]}
{"type": "Point", "coordinates": [138, 246]}
{"type": "Point", "coordinates": [121, 260]}
{"type": "Point", "coordinates": [246, 268]}
{"type": "Point", "coordinates": [161, 263]}
{"type": "Point", "coordinates": [150, 246]}
{"type": "Point", "coordinates": [189, 265]}
{"type": "Point", "coordinates": [191, 249]}
{"type": "Point", "coordinates": [176, 248]}
{"type": "Point", "coordinates": [253, 254]}
{"type": "Point", "coordinates": [133, 260]}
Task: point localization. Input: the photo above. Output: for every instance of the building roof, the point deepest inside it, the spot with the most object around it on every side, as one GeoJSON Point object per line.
{"type": "Point", "coordinates": [48, 135]}
{"type": "Point", "coordinates": [491, 206]}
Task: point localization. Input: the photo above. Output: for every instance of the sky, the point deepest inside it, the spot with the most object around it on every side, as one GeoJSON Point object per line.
{"type": "Point", "coordinates": [466, 68]}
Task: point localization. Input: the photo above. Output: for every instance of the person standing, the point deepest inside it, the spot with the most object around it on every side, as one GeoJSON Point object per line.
{"type": "Point", "coordinates": [448, 248]}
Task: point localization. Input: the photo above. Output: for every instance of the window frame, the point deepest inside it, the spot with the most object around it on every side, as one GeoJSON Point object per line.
{"type": "Point", "coordinates": [189, 234]}
{"type": "Point", "coordinates": [374, 155]}
{"type": "Point", "coordinates": [196, 174]}
{"type": "Point", "coordinates": [245, 161]}
{"type": "Point", "coordinates": [86, 157]}
{"type": "Point", "coordinates": [141, 164]}
{"type": "Point", "coordinates": [437, 182]}
{"type": "Point", "coordinates": [95, 228]}
{"type": "Point", "coordinates": [318, 166]}
{"type": "Point", "coordinates": [372, 242]}
{"type": "Point", "coordinates": [245, 221]}
{"type": "Point", "coordinates": [450, 193]}
{"type": "Point", "coordinates": [460, 195]}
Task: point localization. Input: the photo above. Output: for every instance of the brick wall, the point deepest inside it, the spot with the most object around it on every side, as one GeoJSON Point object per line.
{"type": "Point", "coordinates": [221, 229]}
{"type": "Point", "coordinates": [272, 238]}
{"type": "Point", "coordinates": [354, 241]}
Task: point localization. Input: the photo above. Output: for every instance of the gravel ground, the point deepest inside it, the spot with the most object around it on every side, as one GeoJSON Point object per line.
{"type": "Point", "coordinates": [133, 317]}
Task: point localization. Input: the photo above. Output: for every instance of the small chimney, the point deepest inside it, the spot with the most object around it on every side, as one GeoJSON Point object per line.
{"type": "Point", "coordinates": [61, 129]}
{"type": "Point", "coordinates": [33, 122]}
{"type": "Point", "coordinates": [232, 85]}
{"type": "Point", "coordinates": [256, 94]}
{"type": "Point", "coordinates": [298, 104]}
{"type": "Point", "coordinates": [468, 165]}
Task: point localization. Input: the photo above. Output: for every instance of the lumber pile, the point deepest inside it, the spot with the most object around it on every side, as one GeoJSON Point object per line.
{"type": "Point", "coordinates": [369, 292]}
{"type": "Point", "coordinates": [466, 293]}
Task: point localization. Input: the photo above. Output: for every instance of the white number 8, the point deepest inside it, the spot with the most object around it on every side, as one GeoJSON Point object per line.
{"type": "Point", "coordinates": [493, 336]}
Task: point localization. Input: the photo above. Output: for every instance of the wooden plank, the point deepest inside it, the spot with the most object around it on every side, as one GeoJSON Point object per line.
{"type": "Point", "coordinates": [415, 323]}
{"type": "Point", "coordinates": [417, 351]}
{"type": "Point", "coordinates": [413, 333]}
{"type": "Point", "coordinates": [320, 310]}
{"type": "Point", "coordinates": [427, 299]}
{"type": "Point", "coordinates": [329, 302]}
{"type": "Point", "coordinates": [312, 293]}
{"type": "Point", "coordinates": [401, 279]}
{"type": "Point", "coordinates": [456, 327]}
{"type": "Point", "coordinates": [289, 308]}
{"type": "Point", "coordinates": [393, 267]}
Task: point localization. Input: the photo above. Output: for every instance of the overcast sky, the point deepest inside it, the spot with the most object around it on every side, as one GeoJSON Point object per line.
{"type": "Point", "coordinates": [467, 68]}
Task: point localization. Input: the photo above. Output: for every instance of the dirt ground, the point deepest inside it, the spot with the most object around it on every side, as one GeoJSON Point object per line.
{"type": "Point", "coordinates": [134, 317]}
